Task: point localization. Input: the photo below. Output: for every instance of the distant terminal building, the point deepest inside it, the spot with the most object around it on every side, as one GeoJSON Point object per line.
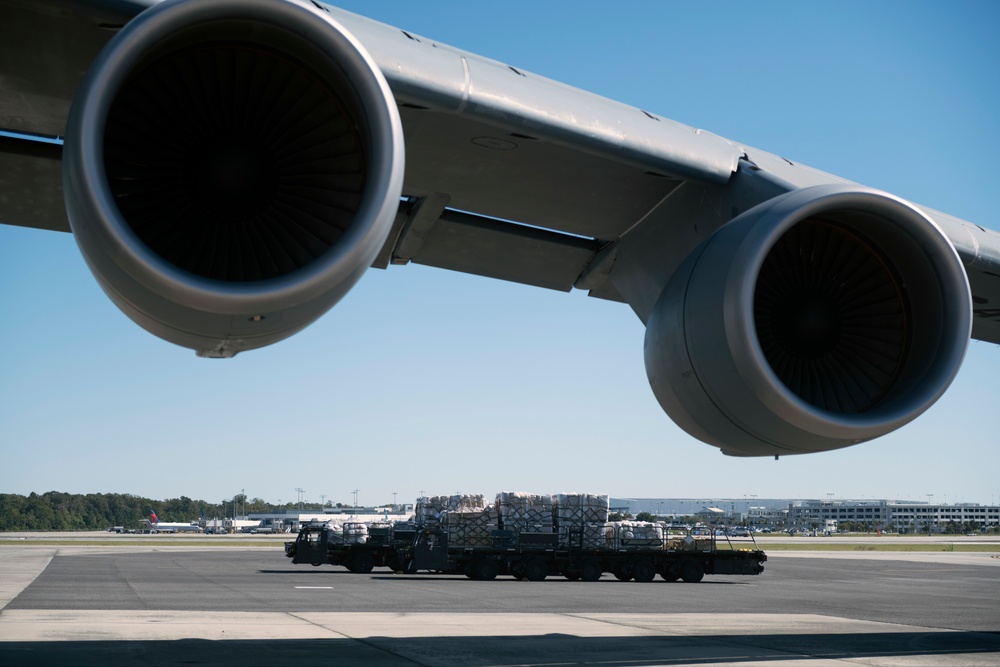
{"type": "Point", "coordinates": [817, 513]}
{"type": "Point", "coordinates": [896, 515]}
{"type": "Point", "coordinates": [906, 516]}
{"type": "Point", "coordinates": [916, 516]}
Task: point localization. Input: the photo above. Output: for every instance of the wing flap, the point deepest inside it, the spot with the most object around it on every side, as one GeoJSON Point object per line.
{"type": "Point", "coordinates": [491, 172]}
{"type": "Point", "coordinates": [506, 251]}
{"type": "Point", "coordinates": [31, 184]}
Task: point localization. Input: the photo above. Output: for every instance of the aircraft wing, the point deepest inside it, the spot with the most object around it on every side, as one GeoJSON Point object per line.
{"type": "Point", "coordinates": [507, 175]}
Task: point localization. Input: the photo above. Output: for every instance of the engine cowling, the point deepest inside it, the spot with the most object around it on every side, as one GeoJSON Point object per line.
{"type": "Point", "coordinates": [819, 319]}
{"type": "Point", "coordinates": [231, 168]}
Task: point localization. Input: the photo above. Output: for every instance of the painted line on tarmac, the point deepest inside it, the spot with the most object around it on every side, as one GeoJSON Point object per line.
{"type": "Point", "coordinates": [316, 588]}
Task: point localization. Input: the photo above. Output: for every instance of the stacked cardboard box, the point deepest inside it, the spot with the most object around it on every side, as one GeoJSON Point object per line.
{"type": "Point", "coordinates": [429, 508]}
{"type": "Point", "coordinates": [525, 512]}
{"type": "Point", "coordinates": [689, 542]}
{"type": "Point", "coordinates": [576, 509]}
{"type": "Point", "coordinates": [470, 528]}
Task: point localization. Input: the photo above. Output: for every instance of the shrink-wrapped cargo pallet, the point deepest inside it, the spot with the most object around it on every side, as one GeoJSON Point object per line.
{"type": "Point", "coordinates": [594, 535]}
{"type": "Point", "coordinates": [429, 508]}
{"type": "Point", "coordinates": [470, 529]}
{"type": "Point", "coordinates": [335, 532]}
{"type": "Point", "coordinates": [588, 536]}
{"type": "Point", "coordinates": [525, 512]}
{"type": "Point", "coordinates": [642, 535]}
{"type": "Point", "coordinates": [355, 532]}
{"type": "Point", "coordinates": [575, 509]}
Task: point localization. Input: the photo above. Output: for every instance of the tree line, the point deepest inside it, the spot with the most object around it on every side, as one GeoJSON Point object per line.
{"type": "Point", "coordinates": [54, 510]}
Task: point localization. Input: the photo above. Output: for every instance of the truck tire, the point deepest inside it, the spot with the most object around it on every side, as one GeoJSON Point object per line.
{"type": "Point", "coordinates": [644, 570]}
{"type": "Point", "coordinates": [590, 569]}
{"type": "Point", "coordinates": [362, 564]}
{"type": "Point", "coordinates": [622, 573]}
{"type": "Point", "coordinates": [670, 573]}
{"type": "Point", "coordinates": [692, 572]}
{"type": "Point", "coordinates": [535, 569]}
{"type": "Point", "coordinates": [486, 569]}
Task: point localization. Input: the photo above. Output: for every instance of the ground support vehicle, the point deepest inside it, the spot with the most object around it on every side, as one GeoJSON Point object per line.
{"type": "Point", "coordinates": [527, 555]}
{"type": "Point", "coordinates": [319, 543]}
{"type": "Point", "coordinates": [533, 556]}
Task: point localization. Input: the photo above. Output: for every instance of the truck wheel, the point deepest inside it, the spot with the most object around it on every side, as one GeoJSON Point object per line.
{"type": "Point", "coordinates": [535, 569]}
{"type": "Point", "coordinates": [692, 572]}
{"type": "Point", "coordinates": [486, 569]}
{"type": "Point", "coordinates": [622, 573]}
{"type": "Point", "coordinates": [572, 576]}
{"type": "Point", "coordinates": [362, 564]}
{"type": "Point", "coordinates": [644, 571]}
{"type": "Point", "coordinates": [590, 569]}
{"type": "Point", "coordinates": [670, 573]}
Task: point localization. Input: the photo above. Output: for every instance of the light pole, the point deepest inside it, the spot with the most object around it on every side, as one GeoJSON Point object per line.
{"type": "Point", "coordinates": [929, 496]}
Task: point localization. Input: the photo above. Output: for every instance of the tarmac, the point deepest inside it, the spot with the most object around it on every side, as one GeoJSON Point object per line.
{"type": "Point", "coordinates": [558, 633]}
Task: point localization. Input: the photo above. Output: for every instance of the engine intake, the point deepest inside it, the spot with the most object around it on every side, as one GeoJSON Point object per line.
{"type": "Point", "coordinates": [819, 319]}
{"type": "Point", "coordinates": [231, 168]}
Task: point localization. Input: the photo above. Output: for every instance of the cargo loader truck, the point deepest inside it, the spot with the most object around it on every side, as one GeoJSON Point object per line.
{"type": "Point", "coordinates": [483, 543]}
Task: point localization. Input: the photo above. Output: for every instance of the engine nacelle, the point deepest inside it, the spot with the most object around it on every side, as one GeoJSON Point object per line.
{"type": "Point", "coordinates": [231, 168]}
{"type": "Point", "coordinates": [819, 319]}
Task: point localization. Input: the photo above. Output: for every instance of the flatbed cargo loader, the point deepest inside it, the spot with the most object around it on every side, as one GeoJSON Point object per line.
{"type": "Point", "coordinates": [529, 555]}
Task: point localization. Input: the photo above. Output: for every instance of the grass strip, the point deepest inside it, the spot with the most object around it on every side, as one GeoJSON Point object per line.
{"type": "Point", "coordinates": [56, 542]}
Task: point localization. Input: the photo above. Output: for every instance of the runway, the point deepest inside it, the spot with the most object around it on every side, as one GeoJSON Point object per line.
{"type": "Point", "coordinates": [234, 605]}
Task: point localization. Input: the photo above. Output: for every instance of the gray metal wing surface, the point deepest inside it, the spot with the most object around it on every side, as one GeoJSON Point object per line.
{"type": "Point", "coordinates": [553, 173]}
{"type": "Point", "coordinates": [507, 175]}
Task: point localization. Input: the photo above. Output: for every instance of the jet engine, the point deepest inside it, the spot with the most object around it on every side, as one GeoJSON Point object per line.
{"type": "Point", "coordinates": [829, 315]}
{"type": "Point", "coordinates": [231, 168]}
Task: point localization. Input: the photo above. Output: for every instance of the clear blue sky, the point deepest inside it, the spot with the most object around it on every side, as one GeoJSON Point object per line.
{"type": "Point", "coordinates": [424, 380]}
